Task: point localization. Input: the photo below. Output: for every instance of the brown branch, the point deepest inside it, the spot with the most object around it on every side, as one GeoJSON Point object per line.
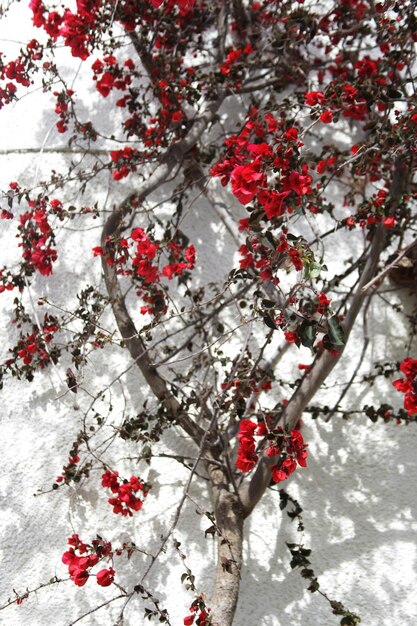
{"type": "Point", "coordinates": [389, 267]}
{"type": "Point", "coordinates": [136, 346]}
{"type": "Point", "coordinates": [252, 492]}
{"type": "Point", "coordinates": [124, 321]}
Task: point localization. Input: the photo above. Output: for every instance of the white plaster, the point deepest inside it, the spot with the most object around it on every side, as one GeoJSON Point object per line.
{"type": "Point", "coordinates": [358, 491]}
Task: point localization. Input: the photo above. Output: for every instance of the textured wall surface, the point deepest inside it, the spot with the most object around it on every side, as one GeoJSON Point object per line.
{"type": "Point", "coordinates": [358, 491]}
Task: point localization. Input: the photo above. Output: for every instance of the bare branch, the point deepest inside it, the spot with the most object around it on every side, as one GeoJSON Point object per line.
{"type": "Point", "coordinates": [252, 492]}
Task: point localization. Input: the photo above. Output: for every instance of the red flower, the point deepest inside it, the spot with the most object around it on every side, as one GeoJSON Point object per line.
{"type": "Point", "coordinates": [98, 251]}
{"type": "Point", "coordinates": [260, 149]}
{"type": "Point", "coordinates": [262, 429]}
{"type": "Point", "coordinates": [105, 577]}
{"type": "Point", "coordinates": [80, 577]}
{"type": "Point", "coordinates": [326, 117]}
{"type": "Point", "coordinates": [246, 427]}
{"type": "Point", "coordinates": [246, 458]}
{"type": "Point", "coordinates": [278, 474]}
{"type": "Point", "coordinates": [408, 386]}
{"type": "Point", "coordinates": [300, 183]}
{"type": "Point", "coordinates": [410, 403]}
{"type": "Point", "coordinates": [246, 181]}
{"type": "Point", "coordinates": [321, 167]}
{"type": "Point", "coordinates": [272, 451]}
{"type": "Point", "coordinates": [289, 465]}
{"type": "Point", "coordinates": [273, 202]}
{"type": "Point", "coordinates": [389, 222]}
{"type": "Point", "coordinates": [125, 501]}
{"type": "Point", "coordinates": [314, 97]}
{"type": "Point", "coordinates": [245, 465]}
{"type": "Point", "coordinates": [291, 337]}
{"type": "Point", "coordinates": [68, 556]}
{"type": "Point", "coordinates": [402, 385]}
{"type": "Point", "coordinates": [291, 134]}
{"type": "Point", "coordinates": [409, 368]}
{"type": "Point", "coordinates": [202, 618]}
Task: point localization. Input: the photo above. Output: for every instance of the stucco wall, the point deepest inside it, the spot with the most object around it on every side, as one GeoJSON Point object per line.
{"type": "Point", "coordinates": [358, 491]}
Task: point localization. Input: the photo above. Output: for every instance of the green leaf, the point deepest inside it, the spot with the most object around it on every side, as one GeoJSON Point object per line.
{"type": "Point", "coordinates": [315, 586]}
{"type": "Point", "coordinates": [268, 304]}
{"type": "Point", "coordinates": [312, 270]}
{"type": "Point", "coordinates": [307, 333]}
{"type": "Point", "coordinates": [210, 531]}
{"type": "Point", "coordinates": [336, 333]}
{"type": "Point", "coordinates": [269, 321]}
{"type": "Point", "coordinates": [269, 240]}
{"type": "Point", "coordinates": [147, 453]}
{"type": "Point", "coordinates": [394, 93]}
{"type": "Point", "coordinates": [350, 620]}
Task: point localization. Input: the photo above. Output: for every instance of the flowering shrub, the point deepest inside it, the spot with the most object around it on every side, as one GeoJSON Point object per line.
{"type": "Point", "coordinates": [290, 126]}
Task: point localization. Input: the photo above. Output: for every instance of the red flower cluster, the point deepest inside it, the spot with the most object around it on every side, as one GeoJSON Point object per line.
{"type": "Point", "coordinates": [123, 159]}
{"type": "Point", "coordinates": [145, 264]}
{"type": "Point", "coordinates": [109, 75]}
{"type": "Point", "coordinates": [349, 99]}
{"type": "Point", "coordinates": [77, 29]}
{"type": "Point", "coordinates": [7, 94]}
{"type": "Point", "coordinates": [408, 386]}
{"type": "Point", "coordinates": [246, 456]}
{"type": "Point", "coordinates": [247, 180]}
{"type": "Point", "coordinates": [252, 169]}
{"type": "Point", "coordinates": [145, 253]}
{"type": "Point", "coordinates": [232, 59]}
{"type": "Point", "coordinates": [265, 259]}
{"type": "Point", "coordinates": [6, 281]}
{"type": "Point", "coordinates": [177, 267]}
{"type": "Point", "coordinates": [273, 202]}
{"type": "Point", "coordinates": [18, 70]}
{"type": "Point", "coordinates": [89, 555]}
{"type": "Point", "coordinates": [69, 471]}
{"type": "Point", "coordinates": [37, 239]}
{"type": "Point", "coordinates": [125, 501]}
{"type": "Point", "coordinates": [295, 258]}
{"type": "Point", "coordinates": [326, 164]}
{"type": "Point", "coordinates": [198, 606]}
{"type": "Point", "coordinates": [291, 449]}
{"type": "Point", "coordinates": [295, 451]}
{"type": "Point", "coordinates": [27, 349]}
{"type": "Point", "coordinates": [323, 303]}
{"type": "Point", "coordinates": [31, 348]}
{"type": "Point", "coordinates": [62, 108]}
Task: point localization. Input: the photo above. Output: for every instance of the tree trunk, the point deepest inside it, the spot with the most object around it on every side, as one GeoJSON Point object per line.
{"type": "Point", "coordinates": [229, 518]}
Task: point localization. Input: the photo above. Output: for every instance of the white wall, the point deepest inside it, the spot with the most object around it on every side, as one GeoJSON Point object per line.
{"type": "Point", "coordinates": [358, 491]}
